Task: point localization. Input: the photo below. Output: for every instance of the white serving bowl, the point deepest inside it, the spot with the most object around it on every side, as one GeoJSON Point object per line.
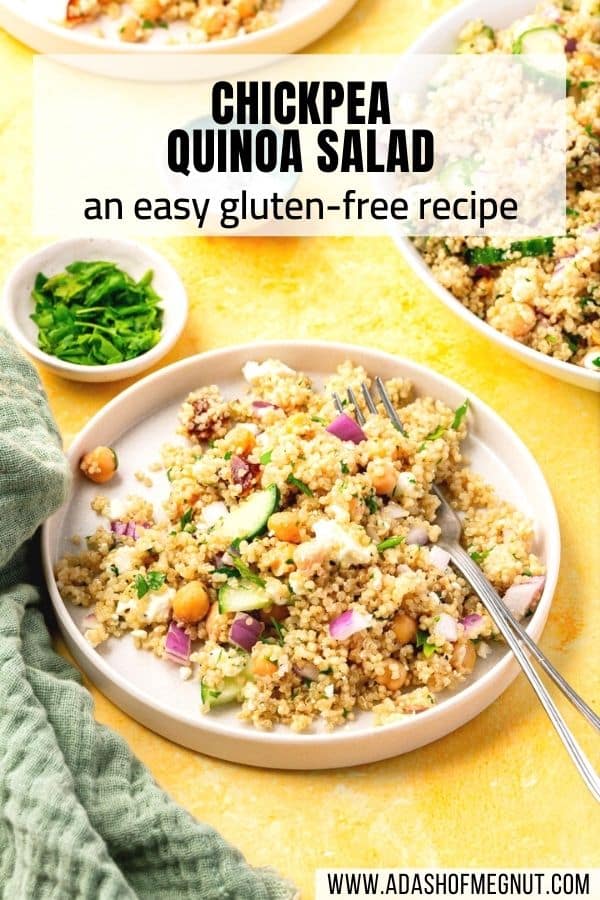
{"type": "Point", "coordinates": [133, 258]}
{"type": "Point", "coordinates": [441, 38]}
{"type": "Point", "coordinates": [299, 22]}
{"type": "Point", "coordinates": [138, 422]}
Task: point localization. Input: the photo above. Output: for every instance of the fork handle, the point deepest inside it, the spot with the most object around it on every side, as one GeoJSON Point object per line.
{"type": "Point", "coordinates": [497, 610]}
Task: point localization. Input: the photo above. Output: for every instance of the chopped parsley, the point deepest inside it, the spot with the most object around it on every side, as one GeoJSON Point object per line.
{"type": "Point", "coordinates": [266, 457]}
{"type": "Point", "coordinates": [94, 313]}
{"type": "Point", "coordinates": [572, 341]}
{"type": "Point", "coordinates": [279, 629]}
{"type": "Point", "coordinates": [478, 557]}
{"type": "Point", "coordinates": [151, 581]}
{"type": "Point", "coordinates": [114, 570]}
{"type": "Point", "coordinates": [245, 572]}
{"type": "Point", "coordinates": [390, 542]}
{"type": "Point", "coordinates": [295, 482]}
{"type": "Point", "coordinates": [459, 415]}
{"type": "Point", "coordinates": [571, 212]}
{"type": "Point", "coordinates": [432, 436]}
{"type": "Point", "coordinates": [371, 502]}
{"type": "Point", "coordinates": [423, 643]}
{"type": "Point", "coordinates": [344, 468]}
{"type": "Point", "coordinates": [228, 455]}
{"type": "Point", "coordinates": [186, 518]}
{"type": "Point", "coordinates": [318, 419]}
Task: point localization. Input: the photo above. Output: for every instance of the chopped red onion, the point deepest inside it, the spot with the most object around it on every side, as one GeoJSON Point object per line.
{"type": "Point", "coordinates": [418, 536]}
{"type": "Point", "coordinates": [438, 557]}
{"type": "Point", "coordinates": [178, 645]}
{"type": "Point", "coordinates": [482, 272]}
{"type": "Point", "coordinates": [126, 529]}
{"type": "Point", "coordinates": [346, 429]}
{"type": "Point", "coordinates": [570, 45]}
{"type": "Point", "coordinates": [306, 670]}
{"type": "Point", "coordinates": [245, 631]}
{"type": "Point", "coordinates": [89, 621]}
{"type": "Point", "coordinates": [261, 407]}
{"type": "Point", "coordinates": [473, 625]}
{"type": "Point", "coordinates": [349, 623]}
{"type": "Point", "coordinates": [520, 598]}
{"type": "Point", "coordinates": [444, 627]}
{"type": "Point", "coordinates": [119, 528]}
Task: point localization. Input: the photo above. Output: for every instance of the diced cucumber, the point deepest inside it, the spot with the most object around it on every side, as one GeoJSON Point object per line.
{"type": "Point", "coordinates": [230, 692]}
{"type": "Point", "coordinates": [542, 41]}
{"type": "Point", "coordinates": [250, 516]}
{"type": "Point", "coordinates": [493, 256]}
{"type": "Point", "coordinates": [242, 596]}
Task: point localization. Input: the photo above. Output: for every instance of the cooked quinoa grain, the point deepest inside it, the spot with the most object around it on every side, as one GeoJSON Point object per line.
{"type": "Point", "coordinates": [305, 588]}
{"type": "Point", "coordinates": [544, 294]}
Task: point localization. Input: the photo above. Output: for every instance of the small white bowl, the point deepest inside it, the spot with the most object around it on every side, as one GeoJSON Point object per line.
{"type": "Point", "coordinates": [133, 258]}
{"type": "Point", "coordinates": [441, 38]}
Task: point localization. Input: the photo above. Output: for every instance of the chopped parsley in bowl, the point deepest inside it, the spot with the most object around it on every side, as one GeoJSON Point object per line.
{"type": "Point", "coordinates": [93, 313]}
{"type": "Point", "coordinates": [95, 309]}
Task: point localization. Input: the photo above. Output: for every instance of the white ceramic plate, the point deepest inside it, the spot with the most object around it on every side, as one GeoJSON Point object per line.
{"type": "Point", "coordinates": [441, 37]}
{"type": "Point", "coordinates": [299, 22]}
{"type": "Point", "coordinates": [133, 258]}
{"type": "Point", "coordinates": [142, 418]}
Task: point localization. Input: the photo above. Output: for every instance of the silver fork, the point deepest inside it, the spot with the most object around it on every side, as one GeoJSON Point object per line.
{"type": "Point", "coordinates": [516, 637]}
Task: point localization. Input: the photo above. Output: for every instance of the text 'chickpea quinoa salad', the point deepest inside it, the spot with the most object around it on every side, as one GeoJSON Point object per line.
{"type": "Point", "coordinates": [543, 292]}
{"type": "Point", "coordinates": [294, 569]}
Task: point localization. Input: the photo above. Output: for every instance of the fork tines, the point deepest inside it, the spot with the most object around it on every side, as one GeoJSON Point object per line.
{"type": "Point", "coordinates": [370, 403]}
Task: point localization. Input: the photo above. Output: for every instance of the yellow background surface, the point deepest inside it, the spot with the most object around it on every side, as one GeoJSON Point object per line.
{"type": "Point", "coordinates": [500, 791]}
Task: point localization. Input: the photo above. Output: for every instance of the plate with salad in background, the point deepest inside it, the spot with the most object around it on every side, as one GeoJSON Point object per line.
{"type": "Point", "coordinates": [538, 298]}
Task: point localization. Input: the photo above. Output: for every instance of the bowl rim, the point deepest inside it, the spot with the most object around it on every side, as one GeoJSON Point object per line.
{"type": "Point", "coordinates": [287, 737]}
{"type": "Point", "coordinates": [177, 302]}
{"type": "Point", "coordinates": [556, 368]}
{"type": "Point", "coordinates": [238, 44]}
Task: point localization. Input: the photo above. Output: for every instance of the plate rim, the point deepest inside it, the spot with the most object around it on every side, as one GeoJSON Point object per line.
{"type": "Point", "coordinates": [286, 738]}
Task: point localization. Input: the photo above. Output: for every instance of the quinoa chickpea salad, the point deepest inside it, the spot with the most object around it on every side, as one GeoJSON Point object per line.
{"type": "Point", "coordinates": [195, 21]}
{"type": "Point", "coordinates": [293, 569]}
{"type": "Point", "coordinates": [543, 292]}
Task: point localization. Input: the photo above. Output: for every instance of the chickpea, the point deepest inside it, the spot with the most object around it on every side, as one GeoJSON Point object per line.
{"type": "Point", "coordinates": [242, 440]}
{"type": "Point", "coordinates": [148, 9]}
{"type": "Point", "coordinates": [190, 603]}
{"type": "Point", "coordinates": [245, 8]}
{"type": "Point", "coordinates": [393, 675]}
{"type": "Point", "coordinates": [383, 476]}
{"type": "Point", "coordinates": [464, 657]}
{"type": "Point", "coordinates": [262, 667]}
{"type": "Point", "coordinates": [405, 628]}
{"type": "Point", "coordinates": [284, 527]}
{"type": "Point", "coordinates": [100, 464]}
{"type": "Point", "coordinates": [212, 19]}
{"type": "Point", "coordinates": [131, 32]}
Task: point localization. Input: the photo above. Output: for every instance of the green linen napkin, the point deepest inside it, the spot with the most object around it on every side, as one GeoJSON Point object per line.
{"type": "Point", "coordinates": [79, 815]}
